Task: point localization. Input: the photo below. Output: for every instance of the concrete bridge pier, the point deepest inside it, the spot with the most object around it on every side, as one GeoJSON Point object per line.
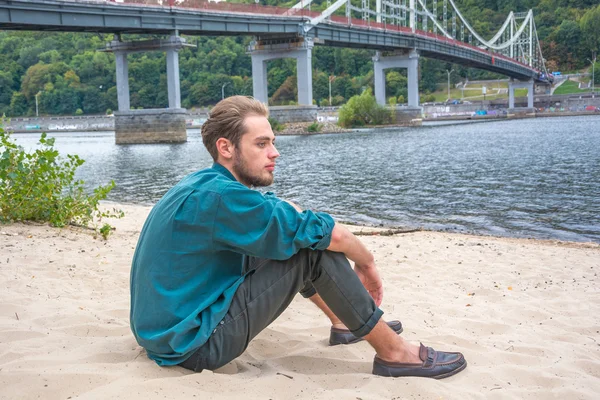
{"type": "Point", "coordinates": [265, 50]}
{"type": "Point", "coordinates": [408, 60]}
{"type": "Point", "coordinates": [149, 125]}
{"type": "Point", "coordinates": [411, 115]}
{"type": "Point", "coordinates": [520, 111]}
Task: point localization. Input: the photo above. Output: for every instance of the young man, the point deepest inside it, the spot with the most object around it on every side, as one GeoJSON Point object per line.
{"type": "Point", "coordinates": [217, 262]}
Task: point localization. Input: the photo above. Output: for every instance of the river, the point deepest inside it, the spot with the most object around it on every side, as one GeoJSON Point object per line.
{"type": "Point", "coordinates": [535, 178]}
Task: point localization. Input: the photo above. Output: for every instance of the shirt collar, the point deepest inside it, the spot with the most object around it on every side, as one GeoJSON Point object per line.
{"type": "Point", "coordinates": [224, 171]}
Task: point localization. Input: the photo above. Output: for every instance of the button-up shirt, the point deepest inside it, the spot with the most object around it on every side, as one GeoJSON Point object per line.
{"type": "Point", "coordinates": [189, 259]}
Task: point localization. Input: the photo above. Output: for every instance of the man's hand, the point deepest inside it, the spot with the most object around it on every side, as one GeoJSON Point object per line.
{"type": "Point", "coordinates": [369, 276]}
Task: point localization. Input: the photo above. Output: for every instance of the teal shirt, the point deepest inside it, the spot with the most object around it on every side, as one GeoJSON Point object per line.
{"type": "Point", "coordinates": [188, 261]}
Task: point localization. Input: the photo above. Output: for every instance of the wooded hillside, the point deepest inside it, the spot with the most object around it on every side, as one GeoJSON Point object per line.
{"type": "Point", "coordinates": [70, 76]}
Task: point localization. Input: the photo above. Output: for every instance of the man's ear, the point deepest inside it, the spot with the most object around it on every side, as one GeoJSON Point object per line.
{"type": "Point", "coordinates": [225, 148]}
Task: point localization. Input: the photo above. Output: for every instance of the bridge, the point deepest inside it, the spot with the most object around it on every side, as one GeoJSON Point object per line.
{"type": "Point", "coordinates": [400, 31]}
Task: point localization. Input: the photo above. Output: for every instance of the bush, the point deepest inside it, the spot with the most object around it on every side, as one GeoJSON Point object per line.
{"type": "Point", "coordinates": [392, 101]}
{"type": "Point", "coordinates": [79, 111]}
{"type": "Point", "coordinates": [363, 110]}
{"type": "Point", "coordinates": [324, 103]}
{"type": "Point", "coordinates": [109, 111]}
{"type": "Point", "coordinates": [401, 99]}
{"type": "Point", "coordinates": [337, 100]}
{"type": "Point", "coordinates": [275, 125]}
{"type": "Point", "coordinates": [41, 186]}
{"type": "Point", "coordinates": [314, 127]}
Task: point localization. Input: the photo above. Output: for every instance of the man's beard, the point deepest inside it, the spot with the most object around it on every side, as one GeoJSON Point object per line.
{"type": "Point", "coordinates": [240, 167]}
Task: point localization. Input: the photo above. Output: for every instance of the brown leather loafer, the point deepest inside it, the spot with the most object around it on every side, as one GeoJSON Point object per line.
{"type": "Point", "coordinates": [436, 364]}
{"type": "Point", "coordinates": [344, 336]}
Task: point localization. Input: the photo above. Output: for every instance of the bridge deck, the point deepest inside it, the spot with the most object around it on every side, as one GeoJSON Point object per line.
{"type": "Point", "coordinates": [200, 17]}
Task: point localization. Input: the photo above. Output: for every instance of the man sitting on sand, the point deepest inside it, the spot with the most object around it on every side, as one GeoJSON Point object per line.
{"type": "Point", "coordinates": [217, 262]}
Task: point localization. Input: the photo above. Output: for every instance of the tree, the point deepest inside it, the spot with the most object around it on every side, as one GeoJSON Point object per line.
{"type": "Point", "coordinates": [6, 84]}
{"type": "Point", "coordinates": [18, 104]}
{"type": "Point", "coordinates": [72, 79]}
{"type": "Point", "coordinates": [92, 101]}
{"type": "Point", "coordinates": [34, 80]}
{"type": "Point", "coordinates": [29, 56]}
{"type": "Point", "coordinates": [50, 56]}
{"type": "Point", "coordinates": [590, 29]}
{"type": "Point", "coordinates": [394, 82]}
{"type": "Point", "coordinates": [286, 92]}
{"type": "Point", "coordinates": [363, 110]}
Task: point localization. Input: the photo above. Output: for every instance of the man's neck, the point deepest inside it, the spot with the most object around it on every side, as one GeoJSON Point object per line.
{"type": "Point", "coordinates": [229, 167]}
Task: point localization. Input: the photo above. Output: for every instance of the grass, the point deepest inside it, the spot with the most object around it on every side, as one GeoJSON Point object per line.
{"type": "Point", "coordinates": [570, 87]}
{"type": "Point", "coordinates": [474, 94]}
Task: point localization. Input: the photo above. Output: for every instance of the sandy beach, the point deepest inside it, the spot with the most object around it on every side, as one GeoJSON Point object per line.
{"type": "Point", "coordinates": [525, 313]}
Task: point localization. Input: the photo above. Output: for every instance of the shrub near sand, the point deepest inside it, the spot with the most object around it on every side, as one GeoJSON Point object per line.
{"type": "Point", "coordinates": [40, 186]}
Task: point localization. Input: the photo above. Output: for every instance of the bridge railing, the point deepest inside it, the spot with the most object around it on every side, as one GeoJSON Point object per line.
{"type": "Point", "coordinates": [223, 6]}
{"type": "Point", "coordinates": [255, 9]}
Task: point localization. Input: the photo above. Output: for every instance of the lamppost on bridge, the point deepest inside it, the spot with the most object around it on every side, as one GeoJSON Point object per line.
{"type": "Point", "coordinates": [223, 90]}
{"type": "Point", "coordinates": [449, 72]}
{"type": "Point", "coordinates": [593, 61]}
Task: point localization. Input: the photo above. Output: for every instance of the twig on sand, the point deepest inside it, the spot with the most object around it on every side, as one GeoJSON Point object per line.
{"type": "Point", "coordinates": [389, 232]}
{"type": "Point", "coordinates": [287, 376]}
{"type": "Point", "coordinates": [17, 315]}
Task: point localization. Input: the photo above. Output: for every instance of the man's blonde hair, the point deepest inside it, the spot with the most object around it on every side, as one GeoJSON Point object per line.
{"type": "Point", "coordinates": [226, 120]}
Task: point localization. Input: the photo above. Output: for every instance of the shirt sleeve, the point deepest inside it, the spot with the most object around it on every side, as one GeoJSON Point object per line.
{"type": "Point", "coordinates": [246, 222]}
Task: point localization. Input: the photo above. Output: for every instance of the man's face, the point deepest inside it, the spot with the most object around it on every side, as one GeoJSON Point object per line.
{"type": "Point", "coordinates": [254, 157]}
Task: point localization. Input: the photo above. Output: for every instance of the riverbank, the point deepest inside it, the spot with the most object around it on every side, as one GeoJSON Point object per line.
{"type": "Point", "coordinates": [104, 124]}
{"type": "Point", "coordinates": [493, 117]}
{"type": "Point", "coordinates": [525, 313]}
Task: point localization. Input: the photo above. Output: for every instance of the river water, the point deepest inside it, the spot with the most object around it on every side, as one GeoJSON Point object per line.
{"type": "Point", "coordinates": [523, 178]}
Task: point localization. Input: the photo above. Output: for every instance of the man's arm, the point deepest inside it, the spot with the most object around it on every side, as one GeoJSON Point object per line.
{"type": "Point", "coordinates": [344, 241]}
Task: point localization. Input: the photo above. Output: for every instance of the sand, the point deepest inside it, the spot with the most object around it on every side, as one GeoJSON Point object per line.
{"type": "Point", "coordinates": [525, 313]}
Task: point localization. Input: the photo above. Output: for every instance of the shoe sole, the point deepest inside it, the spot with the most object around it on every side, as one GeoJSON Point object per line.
{"type": "Point", "coordinates": [440, 376]}
{"type": "Point", "coordinates": [449, 374]}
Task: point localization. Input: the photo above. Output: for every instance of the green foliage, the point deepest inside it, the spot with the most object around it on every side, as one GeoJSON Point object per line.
{"type": "Point", "coordinates": [275, 125]}
{"type": "Point", "coordinates": [105, 231]}
{"type": "Point", "coordinates": [395, 82]}
{"type": "Point", "coordinates": [363, 110]}
{"type": "Point", "coordinates": [41, 186]}
{"type": "Point", "coordinates": [590, 28]}
{"type": "Point", "coordinates": [79, 111]}
{"type": "Point", "coordinates": [109, 111]}
{"type": "Point", "coordinates": [337, 100]}
{"type": "Point", "coordinates": [314, 127]}
{"type": "Point", "coordinates": [287, 92]}
{"type": "Point", "coordinates": [401, 99]}
{"type": "Point", "coordinates": [392, 101]}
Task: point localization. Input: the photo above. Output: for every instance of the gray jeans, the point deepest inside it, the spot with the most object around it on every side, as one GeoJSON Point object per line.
{"type": "Point", "coordinates": [267, 291]}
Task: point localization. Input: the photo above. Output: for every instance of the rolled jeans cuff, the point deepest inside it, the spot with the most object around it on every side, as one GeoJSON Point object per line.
{"type": "Point", "coordinates": [369, 325]}
{"type": "Point", "coordinates": [308, 291]}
